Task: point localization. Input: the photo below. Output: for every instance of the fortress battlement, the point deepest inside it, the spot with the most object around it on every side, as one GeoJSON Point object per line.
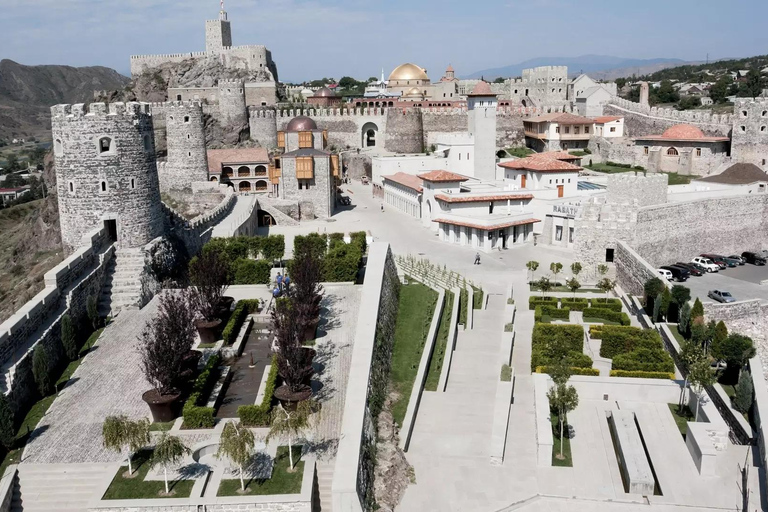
{"type": "Point", "coordinates": [680, 116]}
{"type": "Point", "coordinates": [188, 55]}
{"type": "Point", "coordinates": [232, 82]}
{"type": "Point", "coordinates": [244, 47]}
{"type": "Point", "coordinates": [79, 110]}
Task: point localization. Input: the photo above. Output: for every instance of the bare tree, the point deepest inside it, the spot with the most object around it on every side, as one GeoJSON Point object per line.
{"type": "Point", "coordinates": [209, 275]}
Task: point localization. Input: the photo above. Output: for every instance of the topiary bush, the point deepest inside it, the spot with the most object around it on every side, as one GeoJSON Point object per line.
{"type": "Point", "coordinates": [592, 372]}
{"type": "Point", "coordinates": [642, 375]}
{"type": "Point", "coordinates": [550, 341]}
{"type": "Point", "coordinates": [645, 360]}
{"type": "Point", "coordinates": [606, 303]}
{"type": "Point", "coordinates": [196, 415]}
{"type": "Point", "coordinates": [552, 312]}
{"type": "Point", "coordinates": [236, 319]}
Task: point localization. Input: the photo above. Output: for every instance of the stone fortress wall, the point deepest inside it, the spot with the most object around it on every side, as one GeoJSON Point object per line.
{"type": "Point", "coordinates": [187, 155]}
{"type": "Point", "coordinates": [106, 169]}
{"type": "Point", "coordinates": [642, 120]}
{"type": "Point", "coordinates": [749, 141]}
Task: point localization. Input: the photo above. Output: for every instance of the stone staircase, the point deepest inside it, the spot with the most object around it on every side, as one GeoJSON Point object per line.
{"type": "Point", "coordinates": [59, 487]}
{"type": "Point", "coordinates": [324, 484]}
{"type": "Point", "coordinates": [122, 284]}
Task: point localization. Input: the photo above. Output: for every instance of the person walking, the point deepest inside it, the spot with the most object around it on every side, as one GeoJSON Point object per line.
{"type": "Point", "coordinates": [477, 258]}
{"type": "Point", "coordinates": [280, 281]}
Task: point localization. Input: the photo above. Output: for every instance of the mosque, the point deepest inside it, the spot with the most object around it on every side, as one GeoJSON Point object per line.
{"type": "Point", "coordinates": [410, 83]}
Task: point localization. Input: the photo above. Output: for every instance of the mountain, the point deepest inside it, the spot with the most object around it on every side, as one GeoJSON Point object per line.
{"type": "Point", "coordinates": [28, 92]}
{"type": "Point", "coordinates": [592, 64]}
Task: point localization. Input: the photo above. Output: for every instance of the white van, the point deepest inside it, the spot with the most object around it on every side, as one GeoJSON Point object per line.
{"type": "Point", "coordinates": [666, 274]}
{"type": "Point", "coordinates": [707, 263]}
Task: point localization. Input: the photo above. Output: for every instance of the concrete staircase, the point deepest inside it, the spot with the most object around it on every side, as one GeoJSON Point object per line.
{"type": "Point", "coordinates": [122, 284]}
{"type": "Point", "coordinates": [324, 484]}
{"type": "Point", "coordinates": [59, 487]}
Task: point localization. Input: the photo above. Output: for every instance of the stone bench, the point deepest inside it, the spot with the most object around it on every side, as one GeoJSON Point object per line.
{"type": "Point", "coordinates": [633, 461]}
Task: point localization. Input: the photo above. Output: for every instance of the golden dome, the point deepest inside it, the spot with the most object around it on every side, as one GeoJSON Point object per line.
{"type": "Point", "coordinates": [414, 93]}
{"type": "Point", "coordinates": [408, 71]}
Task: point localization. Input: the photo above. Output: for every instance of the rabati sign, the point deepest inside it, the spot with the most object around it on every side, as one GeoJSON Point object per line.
{"type": "Point", "coordinates": [565, 209]}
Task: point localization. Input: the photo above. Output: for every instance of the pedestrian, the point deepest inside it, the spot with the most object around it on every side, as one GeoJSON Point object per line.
{"type": "Point", "coordinates": [477, 258]}
{"type": "Point", "coordinates": [286, 282]}
{"type": "Point", "coordinates": [276, 292]}
{"type": "Point", "coordinates": [279, 281]}
{"type": "Point", "coordinates": [382, 206]}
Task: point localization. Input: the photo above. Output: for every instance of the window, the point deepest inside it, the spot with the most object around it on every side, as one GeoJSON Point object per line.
{"type": "Point", "coordinates": [459, 157]}
{"type": "Point", "coordinates": [762, 128]}
{"type": "Point", "coordinates": [305, 139]}
{"type": "Point", "coordinates": [133, 183]}
{"type": "Point", "coordinates": [281, 139]}
{"type": "Point", "coordinates": [576, 130]}
{"type": "Point", "coordinates": [490, 236]}
{"type": "Point", "coordinates": [467, 156]}
{"type": "Point", "coordinates": [609, 255]}
{"type": "Point", "coordinates": [58, 148]}
{"type": "Point", "coordinates": [586, 129]}
{"type": "Point", "coordinates": [645, 150]}
{"type": "Point", "coordinates": [305, 168]}
{"type": "Point", "coordinates": [698, 151]}
{"type": "Point", "coordinates": [570, 235]}
{"type": "Point", "coordinates": [71, 186]}
{"type": "Point", "coordinates": [743, 129]}
{"type": "Point", "coordinates": [567, 129]}
{"type": "Point", "coordinates": [490, 208]}
{"type": "Point", "coordinates": [186, 119]}
{"type": "Point", "coordinates": [550, 182]}
{"type": "Point", "coordinates": [178, 97]}
{"type": "Point", "coordinates": [569, 180]}
{"type": "Point", "coordinates": [558, 233]}
{"type": "Point", "coordinates": [557, 129]}
{"type": "Point", "coordinates": [743, 113]}
{"type": "Point", "coordinates": [147, 143]}
{"type": "Point", "coordinates": [763, 161]}
{"type": "Point", "coordinates": [672, 152]}
{"type": "Point", "coordinates": [613, 129]}
{"type": "Point", "coordinates": [105, 145]}
{"type": "Point", "coordinates": [765, 113]}
{"type": "Point", "coordinates": [103, 186]}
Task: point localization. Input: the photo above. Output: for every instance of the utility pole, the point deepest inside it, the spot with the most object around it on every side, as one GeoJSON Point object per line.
{"type": "Point", "coordinates": [707, 58]}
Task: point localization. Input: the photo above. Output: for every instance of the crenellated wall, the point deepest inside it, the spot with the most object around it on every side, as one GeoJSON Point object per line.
{"type": "Point", "coordinates": [641, 120]}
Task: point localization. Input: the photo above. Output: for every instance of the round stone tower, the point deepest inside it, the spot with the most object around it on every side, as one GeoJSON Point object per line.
{"type": "Point", "coordinates": [187, 154]}
{"type": "Point", "coordinates": [106, 174]}
{"type": "Point", "coordinates": [232, 103]}
{"type": "Point", "coordinates": [264, 127]}
{"type": "Point", "coordinates": [405, 130]}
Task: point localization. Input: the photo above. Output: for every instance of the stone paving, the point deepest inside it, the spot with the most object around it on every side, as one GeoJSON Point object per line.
{"type": "Point", "coordinates": [109, 381]}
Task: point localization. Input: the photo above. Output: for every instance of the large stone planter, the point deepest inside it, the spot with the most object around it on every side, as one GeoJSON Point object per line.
{"type": "Point", "coordinates": [164, 408]}
{"type": "Point", "coordinates": [224, 307]}
{"type": "Point", "coordinates": [290, 399]}
{"type": "Point", "coordinates": [208, 330]}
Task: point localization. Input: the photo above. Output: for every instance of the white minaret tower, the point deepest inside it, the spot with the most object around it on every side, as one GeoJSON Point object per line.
{"type": "Point", "coordinates": [481, 120]}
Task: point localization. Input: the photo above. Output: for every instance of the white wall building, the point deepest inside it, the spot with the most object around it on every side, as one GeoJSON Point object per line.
{"type": "Point", "coordinates": [609, 126]}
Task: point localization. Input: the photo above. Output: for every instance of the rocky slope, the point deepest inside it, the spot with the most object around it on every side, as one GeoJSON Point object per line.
{"type": "Point", "coordinates": [28, 92]}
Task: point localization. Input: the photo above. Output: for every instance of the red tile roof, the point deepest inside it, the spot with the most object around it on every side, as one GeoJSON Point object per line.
{"type": "Point", "coordinates": [683, 133]}
{"type": "Point", "coordinates": [218, 157]}
{"type": "Point", "coordinates": [440, 176]}
{"type": "Point", "coordinates": [555, 155]}
{"type": "Point", "coordinates": [540, 165]}
{"type": "Point", "coordinates": [481, 89]}
{"type": "Point", "coordinates": [606, 119]}
{"type": "Point", "coordinates": [560, 118]}
{"type": "Point", "coordinates": [406, 180]}
{"type": "Point", "coordinates": [489, 227]}
{"type": "Point", "coordinates": [461, 198]}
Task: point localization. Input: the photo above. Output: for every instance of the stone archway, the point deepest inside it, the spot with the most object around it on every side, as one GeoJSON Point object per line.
{"type": "Point", "coordinates": [214, 178]}
{"type": "Point", "coordinates": [244, 186]}
{"type": "Point", "coordinates": [370, 132]}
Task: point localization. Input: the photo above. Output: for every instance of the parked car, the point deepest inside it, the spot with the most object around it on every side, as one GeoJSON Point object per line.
{"type": "Point", "coordinates": [753, 258]}
{"type": "Point", "coordinates": [665, 274]}
{"type": "Point", "coordinates": [694, 269]}
{"type": "Point", "coordinates": [679, 274]}
{"type": "Point", "coordinates": [721, 296]}
{"type": "Point", "coordinates": [732, 262]}
{"type": "Point", "coordinates": [717, 260]}
{"type": "Point", "coordinates": [707, 263]}
{"type": "Point", "coordinates": [737, 258]}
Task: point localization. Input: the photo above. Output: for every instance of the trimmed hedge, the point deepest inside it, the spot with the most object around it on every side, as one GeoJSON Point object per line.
{"type": "Point", "coordinates": [574, 303]}
{"type": "Point", "coordinates": [642, 375]}
{"type": "Point", "coordinates": [248, 271]}
{"type": "Point", "coordinates": [342, 262]}
{"type": "Point", "coordinates": [571, 335]}
{"type": "Point", "coordinates": [607, 314]}
{"type": "Point", "coordinates": [596, 331]}
{"type": "Point", "coordinates": [195, 415]}
{"type": "Point", "coordinates": [612, 304]}
{"type": "Point", "coordinates": [542, 301]}
{"type": "Point", "coordinates": [359, 238]}
{"type": "Point", "coordinates": [592, 372]}
{"type": "Point", "coordinates": [258, 415]}
{"type": "Point", "coordinates": [644, 360]}
{"type": "Point", "coordinates": [242, 309]}
{"type": "Point", "coordinates": [622, 339]}
{"type": "Point", "coordinates": [552, 312]}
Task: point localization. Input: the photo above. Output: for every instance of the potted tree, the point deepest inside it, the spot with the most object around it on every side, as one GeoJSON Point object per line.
{"type": "Point", "coordinates": [307, 292]}
{"type": "Point", "coordinates": [209, 275]}
{"type": "Point", "coordinates": [166, 342]}
{"type": "Point", "coordinates": [294, 362]}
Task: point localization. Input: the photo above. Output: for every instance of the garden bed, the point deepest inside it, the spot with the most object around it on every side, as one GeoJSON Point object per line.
{"type": "Point", "coordinates": [137, 487]}
{"type": "Point", "coordinates": [282, 481]}
{"type": "Point", "coordinates": [567, 461]}
{"type": "Point", "coordinates": [545, 336]}
{"type": "Point", "coordinates": [441, 345]}
{"type": "Point", "coordinates": [681, 419]}
{"type": "Point", "coordinates": [634, 351]}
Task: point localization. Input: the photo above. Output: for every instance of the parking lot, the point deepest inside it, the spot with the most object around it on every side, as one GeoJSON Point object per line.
{"type": "Point", "coordinates": [743, 282]}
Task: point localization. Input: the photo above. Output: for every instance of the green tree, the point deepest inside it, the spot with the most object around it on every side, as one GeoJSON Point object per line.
{"type": "Point", "coordinates": [690, 352]}
{"type": "Point", "coordinates": [290, 424]}
{"type": "Point", "coordinates": [652, 287]}
{"type": "Point", "coordinates": [657, 302]}
{"type": "Point", "coordinates": [735, 350]}
{"type": "Point", "coordinates": [701, 375]}
{"type": "Point", "coordinates": [697, 310]}
{"type": "Point", "coordinates": [532, 266]}
{"type": "Point", "coordinates": [237, 445]}
{"type": "Point", "coordinates": [562, 399]}
{"type": "Point", "coordinates": [41, 368]}
{"type": "Point", "coordinates": [620, 83]}
{"type": "Point", "coordinates": [719, 334]}
{"type": "Point", "coordinates": [573, 285]}
{"type": "Point", "coordinates": [545, 285]}
{"type": "Point", "coordinates": [684, 321]}
{"type": "Point", "coordinates": [575, 268]}
{"type": "Point", "coordinates": [680, 296]}
{"type": "Point", "coordinates": [347, 82]}
{"type": "Point", "coordinates": [92, 309]}
{"type": "Point", "coordinates": [719, 91]}
{"type": "Point", "coordinates": [666, 300]}
{"type": "Point", "coordinates": [7, 429]}
{"type": "Point", "coordinates": [168, 450]}
{"type": "Point", "coordinates": [742, 402]}
{"type": "Point", "coordinates": [605, 285]}
{"type": "Point", "coordinates": [499, 80]}
{"type": "Point", "coordinates": [688, 102]}
{"type": "Point", "coordinates": [666, 93]}
{"type": "Point", "coordinates": [752, 87]}
{"type": "Point", "coordinates": [119, 433]}
{"type": "Point", "coordinates": [12, 163]}
{"type": "Point", "coordinates": [602, 269]}
{"type": "Point", "coordinates": [555, 268]}
{"type": "Point", "coordinates": [68, 337]}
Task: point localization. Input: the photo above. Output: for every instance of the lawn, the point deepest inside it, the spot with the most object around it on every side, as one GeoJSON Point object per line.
{"type": "Point", "coordinates": [676, 334]}
{"type": "Point", "coordinates": [438, 355]}
{"type": "Point", "coordinates": [520, 151]}
{"type": "Point", "coordinates": [417, 304]}
{"type": "Point", "coordinates": [567, 461]}
{"type": "Point", "coordinates": [161, 427]}
{"type": "Point", "coordinates": [611, 169]}
{"type": "Point", "coordinates": [600, 321]}
{"type": "Point", "coordinates": [678, 179]}
{"type": "Point", "coordinates": [282, 482]}
{"type": "Point", "coordinates": [681, 419]}
{"type": "Point", "coordinates": [136, 487]}
{"type": "Point", "coordinates": [463, 303]}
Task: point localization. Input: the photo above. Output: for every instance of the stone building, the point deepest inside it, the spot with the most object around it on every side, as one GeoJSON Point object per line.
{"type": "Point", "coordinates": [247, 170]}
{"type": "Point", "coordinates": [411, 83]}
{"type": "Point", "coordinates": [324, 98]}
{"type": "Point", "coordinates": [749, 143]}
{"type": "Point", "coordinates": [308, 173]}
{"type": "Point", "coordinates": [683, 149]}
{"type": "Point", "coordinates": [542, 173]}
{"type": "Point", "coordinates": [106, 173]}
{"type": "Point", "coordinates": [543, 85]}
{"type": "Point", "coordinates": [558, 131]}
{"type": "Point", "coordinates": [187, 160]}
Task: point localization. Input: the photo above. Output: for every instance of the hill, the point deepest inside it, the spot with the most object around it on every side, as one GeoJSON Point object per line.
{"type": "Point", "coordinates": [704, 72]}
{"type": "Point", "coordinates": [28, 92]}
{"type": "Point", "coordinates": [585, 63]}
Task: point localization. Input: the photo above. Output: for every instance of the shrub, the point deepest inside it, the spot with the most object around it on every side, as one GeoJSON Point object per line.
{"type": "Point", "coordinates": [272, 247]}
{"type": "Point", "coordinates": [616, 164]}
{"type": "Point", "coordinates": [359, 238]}
{"type": "Point", "coordinates": [342, 263]}
{"type": "Point", "coordinates": [69, 337]}
{"type": "Point", "coordinates": [259, 415]}
{"type": "Point", "coordinates": [552, 312]}
{"type": "Point", "coordinates": [574, 304]}
{"type": "Point", "coordinates": [7, 430]}
{"type": "Point", "coordinates": [542, 301]}
{"type": "Point", "coordinates": [603, 303]}
{"type": "Point", "coordinates": [313, 243]}
{"type": "Point", "coordinates": [607, 314]}
{"type": "Point", "coordinates": [596, 331]}
{"type": "Point", "coordinates": [572, 335]}
{"type": "Point", "coordinates": [232, 329]}
{"type": "Point", "coordinates": [195, 414]}
{"type": "Point", "coordinates": [642, 375]}
{"type": "Point", "coordinates": [510, 327]}
{"type": "Point", "coordinates": [247, 271]}
{"type": "Point", "coordinates": [644, 359]}
{"type": "Point", "coordinates": [592, 372]}
{"type": "Point", "coordinates": [622, 339]}
{"type": "Point", "coordinates": [742, 402]}
{"type": "Point", "coordinates": [41, 369]}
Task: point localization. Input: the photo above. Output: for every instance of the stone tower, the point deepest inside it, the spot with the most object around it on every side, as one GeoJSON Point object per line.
{"type": "Point", "coordinates": [405, 130]}
{"type": "Point", "coordinates": [232, 103]}
{"type": "Point", "coordinates": [749, 139]}
{"type": "Point", "coordinates": [644, 91]}
{"type": "Point", "coordinates": [187, 154]}
{"type": "Point", "coordinates": [481, 120]}
{"type": "Point", "coordinates": [106, 173]}
{"type": "Point", "coordinates": [218, 33]}
{"type": "Point", "coordinates": [264, 127]}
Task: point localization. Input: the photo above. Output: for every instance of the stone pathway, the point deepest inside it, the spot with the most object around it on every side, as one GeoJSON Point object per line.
{"type": "Point", "coordinates": [109, 381]}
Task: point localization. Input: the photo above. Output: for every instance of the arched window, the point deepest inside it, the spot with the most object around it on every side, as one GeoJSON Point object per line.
{"type": "Point", "coordinates": [214, 178]}
{"type": "Point", "coordinates": [261, 186]}
{"type": "Point", "coordinates": [105, 145]}
{"type": "Point", "coordinates": [58, 148]}
{"type": "Point", "coordinates": [244, 186]}
{"type": "Point", "coordinates": [672, 152]}
{"type": "Point", "coordinates": [103, 186]}
{"type": "Point", "coordinates": [260, 171]}
{"type": "Point", "coordinates": [227, 172]}
{"type": "Point", "coordinates": [243, 171]}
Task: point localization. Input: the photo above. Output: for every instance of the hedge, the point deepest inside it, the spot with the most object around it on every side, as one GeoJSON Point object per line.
{"type": "Point", "coordinates": [592, 372]}
{"type": "Point", "coordinates": [642, 375]}
{"type": "Point", "coordinates": [242, 309]}
{"type": "Point", "coordinates": [574, 303]}
{"type": "Point", "coordinates": [612, 304]}
{"type": "Point", "coordinates": [195, 415]}
{"type": "Point", "coordinates": [596, 331]}
{"type": "Point", "coordinates": [575, 359]}
{"type": "Point", "coordinates": [258, 415]}
{"type": "Point", "coordinates": [645, 360]}
{"type": "Point", "coordinates": [622, 339]}
{"type": "Point", "coordinates": [607, 314]}
{"type": "Point", "coordinates": [574, 335]}
{"type": "Point", "coordinates": [360, 238]}
{"type": "Point", "coordinates": [552, 312]}
{"type": "Point", "coordinates": [342, 262]}
{"type": "Point", "coordinates": [542, 301]}
{"type": "Point", "coordinates": [248, 271]}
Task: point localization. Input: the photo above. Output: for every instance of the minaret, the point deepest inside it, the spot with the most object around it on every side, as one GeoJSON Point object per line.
{"type": "Point", "coordinates": [218, 33]}
{"type": "Point", "coordinates": [481, 119]}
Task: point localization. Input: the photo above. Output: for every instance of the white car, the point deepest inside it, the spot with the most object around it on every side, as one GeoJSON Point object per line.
{"type": "Point", "coordinates": [666, 274]}
{"type": "Point", "coordinates": [707, 263]}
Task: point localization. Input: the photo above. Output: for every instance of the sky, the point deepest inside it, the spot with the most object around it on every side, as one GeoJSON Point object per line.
{"type": "Point", "coordinates": [313, 39]}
